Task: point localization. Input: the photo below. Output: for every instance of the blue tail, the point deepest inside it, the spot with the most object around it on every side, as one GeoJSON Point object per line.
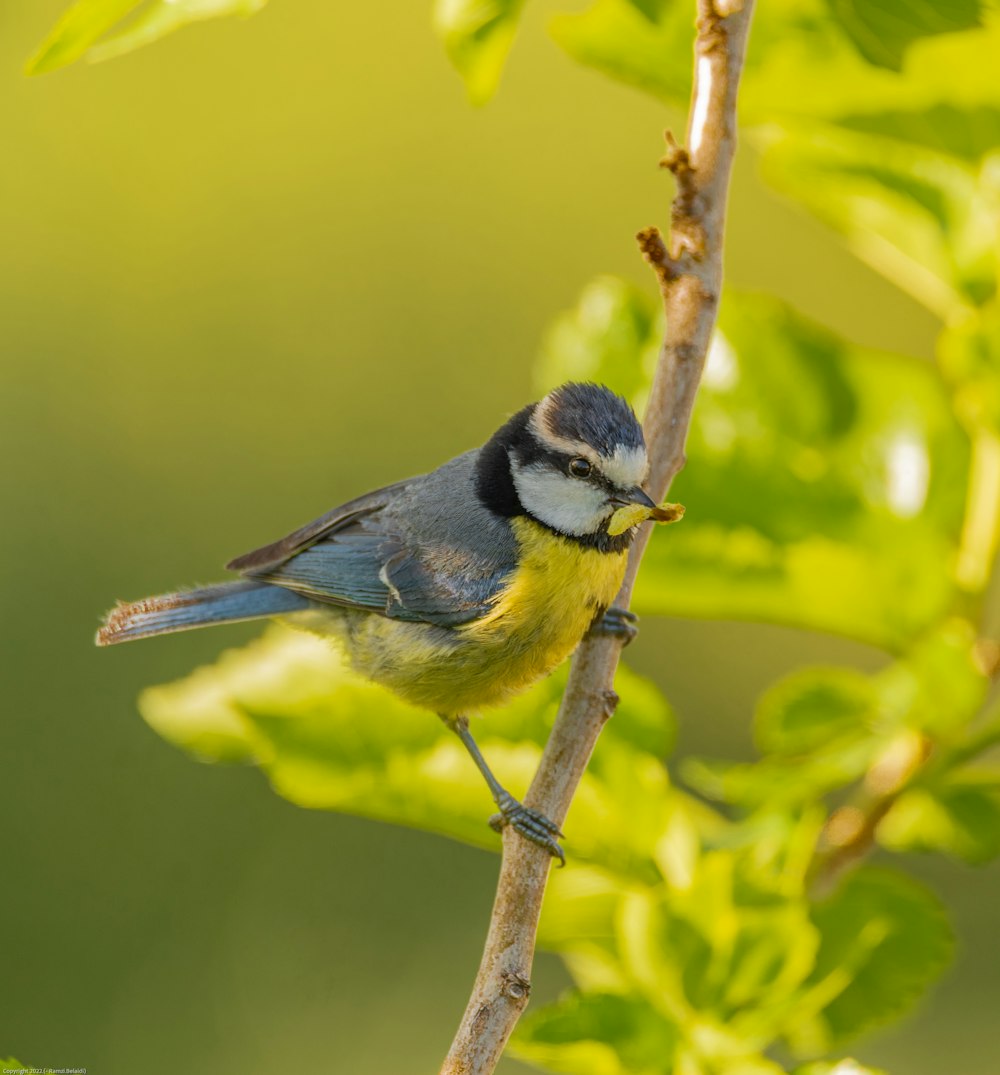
{"type": "Point", "coordinates": [228, 602]}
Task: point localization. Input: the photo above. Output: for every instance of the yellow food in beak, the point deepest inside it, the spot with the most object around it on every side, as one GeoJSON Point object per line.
{"type": "Point", "coordinates": [633, 514]}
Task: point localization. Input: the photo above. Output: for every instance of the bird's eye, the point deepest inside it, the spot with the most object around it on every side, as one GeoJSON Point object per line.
{"type": "Point", "coordinates": [580, 468]}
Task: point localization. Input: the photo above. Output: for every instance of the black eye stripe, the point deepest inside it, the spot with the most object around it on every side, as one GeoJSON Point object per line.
{"type": "Point", "coordinates": [528, 450]}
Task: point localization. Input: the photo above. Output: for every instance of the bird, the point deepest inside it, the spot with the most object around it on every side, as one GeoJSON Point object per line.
{"type": "Point", "coordinates": [459, 588]}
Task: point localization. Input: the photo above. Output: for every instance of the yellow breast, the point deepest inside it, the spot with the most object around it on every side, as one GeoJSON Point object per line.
{"type": "Point", "coordinates": [535, 623]}
{"type": "Point", "coordinates": [555, 593]}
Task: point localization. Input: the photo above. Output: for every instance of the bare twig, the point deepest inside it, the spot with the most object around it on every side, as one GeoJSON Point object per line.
{"type": "Point", "coordinates": [690, 276]}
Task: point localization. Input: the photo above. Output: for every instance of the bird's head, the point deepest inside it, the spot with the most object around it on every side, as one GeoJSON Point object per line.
{"type": "Point", "coordinates": [569, 461]}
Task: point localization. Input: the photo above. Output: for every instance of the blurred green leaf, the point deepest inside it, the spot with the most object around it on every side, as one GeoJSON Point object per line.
{"type": "Point", "coordinates": [84, 27]}
{"type": "Point", "coordinates": [732, 946]}
{"type": "Point", "coordinates": [620, 39]}
{"type": "Point", "coordinates": [883, 31]}
{"type": "Point", "coordinates": [884, 939]}
{"type": "Point", "coordinates": [580, 907]}
{"type": "Point", "coordinates": [809, 709]}
{"type": "Point", "coordinates": [784, 782]}
{"type": "Point", "coordinates": [823, 478]}
{"type": "Point", "coordinates": [76, 31]}
{"type": "Point", "coordinates": [819, 729]}
{"type": "Point", "coordinates": [597, 1034]}
{"type": "Point", "coordinates": [578, 920]}
{"type": "Point", "coordinates": [722, 958]}
{"type": "Point", "coordinates": [897, 160]}
{"type": "Point", "coordinates": [161, 17]}
{"type": "Point", "coordinates": [969, 353]}
{"type": "Point", "coordinates": [652, 9]}
{"type": "Point", "coordinates": [968, 133]}
{"type": "Point", "coordinates": [925, 219]}
{"type": "Point", "coordinates": [329, 740]}
{"type": "Point", "coordinates": [477, 36]}
{"type": "Point", "coordinates": [903, 157]}
{"type": "Point", "coordinates": [796, 43]}
{"type": "Point", "coordinates": [938, 688]}
{"type": "Point", "coordinates": [822, 729]}
{"type": "Point", "coordinates": [725, 965]}
{"type": "Point", "coordinates": [961, 819]}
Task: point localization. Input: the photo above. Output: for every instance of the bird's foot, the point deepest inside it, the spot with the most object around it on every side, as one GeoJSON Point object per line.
{"type": "Point", "coordinates": [531, 824]}
{"type": "Point", "coordinates": [617, 622]}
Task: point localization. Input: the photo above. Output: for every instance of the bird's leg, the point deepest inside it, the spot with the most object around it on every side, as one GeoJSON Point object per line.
{"type": "Point", "coordinates": [618, 622]}
{"type": "Point", "coordinates": [529, 823]}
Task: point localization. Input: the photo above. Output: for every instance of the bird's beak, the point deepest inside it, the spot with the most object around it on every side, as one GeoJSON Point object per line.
{"type": "Point", "coordinates": [638, 495]}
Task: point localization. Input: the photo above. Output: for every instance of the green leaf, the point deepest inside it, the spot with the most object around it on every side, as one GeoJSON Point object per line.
{"type": "Point", "coordinates": [162, 17]}
{"type": "Point", "coordinates": [809, 709]}
{"type": "Point", "coordinates": [597, 1034]}
{"type": "Point", "coordinates": [923, 217]}
{"type": "Point", "coordinates": [884, 939]}
{"type": "Point", "coordinates": [731, 946]}
{"type": "Point", "coordinates": [899, 161]}
{"type": "Point", "coordinates": [969, 354]}
{"type": "Point", "coordinates": [781, 782]}
{"type": "Point", "coordinates": [652, 9]}
{"type": "Point", "coordinates": [477, 36]}
{"type": "Point", "coordinates": [968, 133]}
{"type": "Point", "coordinates": [939, 686]}
{"type": "Point", "coordinates": [580, 908]}
{"type": "Point", "coordinates": [821, 729]}
{"type": "Point", "coordinates": [822, 479]}
{"type": "Point", "coordinates": [76, 31]}
{"type": "Point", "coordinates": [883, 31]}
{"type": "Point", "coordinates": [329, 740]}
{"type": "Point", "coordinates": [80, 29]}
{"type": "Point", "coordinates": [961, 819]}
{"type": "Point", "coordinates": [623, 1034]}
{"type": "Point", "coordinates": [619, 39]}
{"type": "Point", "coordinates": [796, 43]}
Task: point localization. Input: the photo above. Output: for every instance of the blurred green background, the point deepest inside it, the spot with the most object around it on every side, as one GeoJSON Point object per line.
{"type": "Point", "coordinates": [246, 275]}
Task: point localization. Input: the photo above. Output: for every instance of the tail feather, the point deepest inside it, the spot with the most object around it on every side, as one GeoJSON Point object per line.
{"type": "Point", "coordinates": [228, 602]}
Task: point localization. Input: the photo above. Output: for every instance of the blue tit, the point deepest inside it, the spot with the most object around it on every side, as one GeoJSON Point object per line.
{"type": "Point", "coordinates": [459, 588]}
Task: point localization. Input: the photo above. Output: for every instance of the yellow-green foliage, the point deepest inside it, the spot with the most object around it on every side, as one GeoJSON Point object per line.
{"type": "Point", "coordinates": [828, 486]}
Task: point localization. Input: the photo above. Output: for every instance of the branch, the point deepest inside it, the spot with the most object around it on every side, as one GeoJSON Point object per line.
{"type": "Point", "coordinates": [690, 276]}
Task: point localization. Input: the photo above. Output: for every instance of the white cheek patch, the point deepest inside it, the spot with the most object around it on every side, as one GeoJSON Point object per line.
{"type": "Point", "coordinates": [627, 467]}
{"type": "Point", "coordinates": [566, 504]}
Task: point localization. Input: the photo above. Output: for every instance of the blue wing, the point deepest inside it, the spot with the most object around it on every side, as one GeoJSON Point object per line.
{"type": "Point", "coordinates": [381, 554]}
